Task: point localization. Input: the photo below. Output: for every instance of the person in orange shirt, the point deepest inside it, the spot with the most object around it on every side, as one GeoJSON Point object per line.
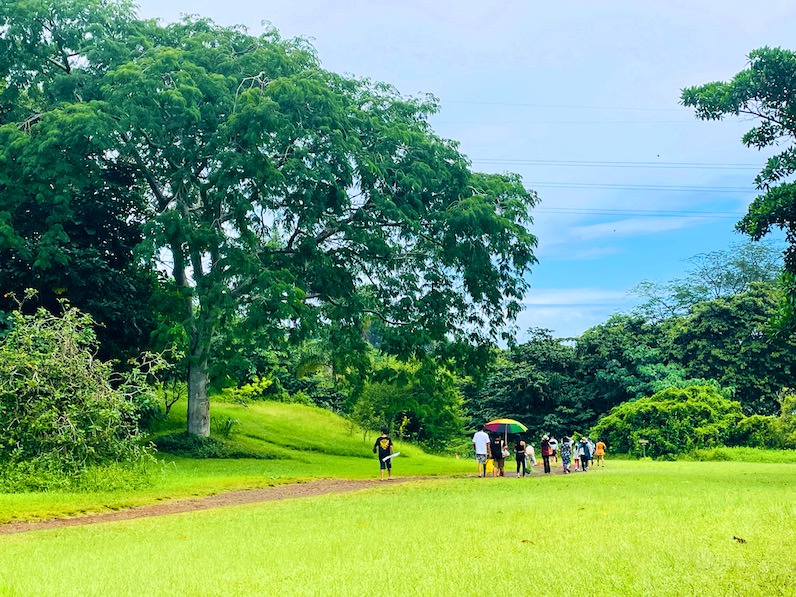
{"type": "Point", "coordinates": [599, 452]}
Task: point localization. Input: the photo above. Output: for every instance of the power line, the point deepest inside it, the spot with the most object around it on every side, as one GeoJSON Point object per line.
{"type": "Point", "coordinates": [565, 106]}
{"type": "Point", "coordinates": [640, 212]}
{"type": "Point", "coordinates": [619, 164]}
{"type": "Point", "coordinates": [637, 187]}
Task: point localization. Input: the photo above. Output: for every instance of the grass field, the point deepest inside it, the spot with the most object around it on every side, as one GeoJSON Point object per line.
{"type": "Point", "coordinates": [634, 528]}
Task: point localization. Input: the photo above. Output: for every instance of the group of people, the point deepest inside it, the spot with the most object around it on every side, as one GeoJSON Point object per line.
{"type": "Point", "coordinates": [494, 449]}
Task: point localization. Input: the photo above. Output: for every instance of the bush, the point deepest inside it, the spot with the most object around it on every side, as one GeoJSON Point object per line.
{"type": "Point", "coordinates": [63, 411]}
{"type": "Point", "coordinates": [672, 421]}
{"type": "Point", "coordinates": [38, 476]}
{"type": "Point", "coordinates": [759, 431]}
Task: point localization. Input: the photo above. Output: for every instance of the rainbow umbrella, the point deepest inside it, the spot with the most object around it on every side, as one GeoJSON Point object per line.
{"type": "Point", "coordinates": [506, 426]}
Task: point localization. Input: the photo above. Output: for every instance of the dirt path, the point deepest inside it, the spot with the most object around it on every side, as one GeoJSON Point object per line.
{"type": "Point", "coordinates": [229, 498]}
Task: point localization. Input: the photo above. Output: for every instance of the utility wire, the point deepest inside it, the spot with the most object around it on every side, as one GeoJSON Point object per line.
{"type": "Point", "coordinates": [639, 212]}
{"type": "Point", "coordinates": [566, 106]}
{"type": "Point", "coordinates": [619, 164]}
{"type": "Point", "coordinates": [637, 187]}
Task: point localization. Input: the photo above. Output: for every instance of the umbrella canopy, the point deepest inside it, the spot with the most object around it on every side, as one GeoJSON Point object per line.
{"type": "Point", "coordinates": [506, 426]}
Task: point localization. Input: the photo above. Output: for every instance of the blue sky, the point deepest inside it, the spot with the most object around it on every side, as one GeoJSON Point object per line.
{"type": "Point", "coordinates": [581, 99]}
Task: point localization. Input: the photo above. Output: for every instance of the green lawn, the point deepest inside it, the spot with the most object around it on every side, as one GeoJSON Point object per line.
{"type": "Point", "coordinates": [635, 528]}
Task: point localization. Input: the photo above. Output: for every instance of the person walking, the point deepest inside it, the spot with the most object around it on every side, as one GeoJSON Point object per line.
{"type": "Point", "coordinates": [530, 456]}
{"type": "Point", "coordinates": [599, 452]}
{"type": "Point", "coordinates": [545, 445]}
{"type": "Point", "coordinates": [566, 454]}
{"type": "Point", "coordinates": [498, 457]}
{"type": "Point", "coordinates": [481, 445]}
{"type": "Point", "coordinates": [554, 449]}
{"type": "Point", "coordinates": [383, 447]}
{"type": "Point", "coordinates": [592, 448]}
{"type": "Point", "coordinates": [519, 455]}
{"type": "Point", "coordinates": [584, 454]}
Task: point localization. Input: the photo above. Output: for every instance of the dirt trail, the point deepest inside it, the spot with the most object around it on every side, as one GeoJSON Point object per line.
{"type": "Point", "coordinates": [229, 498]}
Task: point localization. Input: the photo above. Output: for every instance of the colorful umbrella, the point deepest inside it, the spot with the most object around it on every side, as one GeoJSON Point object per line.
{"type": "Point", "coordinates": [506, 426]}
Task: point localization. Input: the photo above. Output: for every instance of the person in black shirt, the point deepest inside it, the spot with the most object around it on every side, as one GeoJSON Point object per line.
{"type": "Point", "coordinates": [383, 447]}
{"type": "Point", "coordinates": [498, 457]}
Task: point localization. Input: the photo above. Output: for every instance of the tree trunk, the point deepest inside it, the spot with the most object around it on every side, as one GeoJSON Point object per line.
{"type": "Point", "coordinates": [198, 402]}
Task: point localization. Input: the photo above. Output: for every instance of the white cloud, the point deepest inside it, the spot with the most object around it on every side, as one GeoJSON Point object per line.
{"type": "Point", "coordinates": [568, 312]}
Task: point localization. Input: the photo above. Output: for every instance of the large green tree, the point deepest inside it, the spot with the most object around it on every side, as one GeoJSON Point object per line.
{"type": "Point", "coordinates": [277, 192]}
{"type": "Point", "coordinates": [729, 340]}
{"type": "Point", "coordinates": [766, 91]}
{"type": "Point", "coordinates": [68, 228]}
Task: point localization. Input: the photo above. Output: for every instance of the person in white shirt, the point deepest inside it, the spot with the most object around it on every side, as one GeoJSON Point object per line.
{"type": "Point", "coordinates": [530, 456]}
{"type": "Point", "coordinates": [554, 448]}
{"type": "Point", "coordinates": [481, 445]}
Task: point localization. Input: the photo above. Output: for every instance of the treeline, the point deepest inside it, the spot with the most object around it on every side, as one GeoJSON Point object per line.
{"type": "Point", "coordinates": [716, 328]}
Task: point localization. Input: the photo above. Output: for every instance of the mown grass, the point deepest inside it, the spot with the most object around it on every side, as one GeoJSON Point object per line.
{"type": "Point", "coordinates": [635, 528]}
{"type": "Point", "coordinates": [742, 455]}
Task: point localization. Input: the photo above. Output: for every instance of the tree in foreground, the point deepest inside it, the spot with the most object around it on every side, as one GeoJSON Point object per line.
{"type": "Point", "coordinates": [277, 193]}
{"type": "Point", "coordinates": [766, 91]}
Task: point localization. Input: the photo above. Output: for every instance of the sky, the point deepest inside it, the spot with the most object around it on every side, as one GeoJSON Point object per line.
{"type": "Point", "coordinates": [582, 100]}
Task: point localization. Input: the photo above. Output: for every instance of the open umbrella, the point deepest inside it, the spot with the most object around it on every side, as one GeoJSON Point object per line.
{"type": "Point", "coordinates": [506, 426]}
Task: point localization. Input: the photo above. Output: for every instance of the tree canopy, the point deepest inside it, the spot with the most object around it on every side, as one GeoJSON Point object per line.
{"type": "Point", "coordinates": [274, 193]}
{"type": "Point", "coordinates": [765, 91]}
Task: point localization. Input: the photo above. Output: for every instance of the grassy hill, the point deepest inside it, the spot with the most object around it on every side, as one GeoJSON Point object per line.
{"type": "Point", "coordinates": [280, 443]}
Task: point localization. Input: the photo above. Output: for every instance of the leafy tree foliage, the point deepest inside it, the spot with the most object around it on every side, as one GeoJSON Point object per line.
{"type": "Point", "coordinates": [276, 192]}
{"type": "Point", "coordinates": [787, 419]}
{"type": "Point", "coordinates": [625, 358]}
{"type": "Point", "coordinates": [61, 408]}
{"type": "Point", "coordinates": [673, 421]}
{"type": "Point", "coordinates": [68, 225]}
{"type": "Point", "coordinates": [765, 91]}
{"type": "Point", "coordinates": [729, 341]}
{"type": "Point", "coordinates": [535, 383]}
{"type": "Point", "coordinates": [415, 400]}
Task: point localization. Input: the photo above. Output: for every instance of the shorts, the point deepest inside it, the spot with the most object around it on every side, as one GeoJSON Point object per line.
{"type": "Point", "coordinates": [385, 464]}
{"type": "Point", "coordinates": [481, 458]}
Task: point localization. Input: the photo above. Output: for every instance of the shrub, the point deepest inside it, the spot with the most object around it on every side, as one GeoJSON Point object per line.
{"type": "Point", "coordinates": [759, 431]}
{"type": "Point", "coordinates": [194, 446]}
{"type": "Point", "coordinates": [61, 409]}
{"type": "Point", "coordinates": [673, 421]}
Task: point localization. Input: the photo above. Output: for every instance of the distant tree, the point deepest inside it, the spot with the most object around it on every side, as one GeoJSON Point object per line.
{"type": "Point", "coordinates": [766, 91]}
{"type": "Point", "coordinates": [718, 274]}
{"type": "Point", "coordinates": [278, 193]}
{"type": "Point", "coordinates": [729, 340]}
{"type": "Point", "coordinates": [625, 358]}
{"type": "Point", "coordinates": [535, 383]}
{"type": "Point", "coordinates": [416, 400]}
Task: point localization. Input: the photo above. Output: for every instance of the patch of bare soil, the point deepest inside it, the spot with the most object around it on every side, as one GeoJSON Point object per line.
{"type": "Point", "coordinates": [229, 498]}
